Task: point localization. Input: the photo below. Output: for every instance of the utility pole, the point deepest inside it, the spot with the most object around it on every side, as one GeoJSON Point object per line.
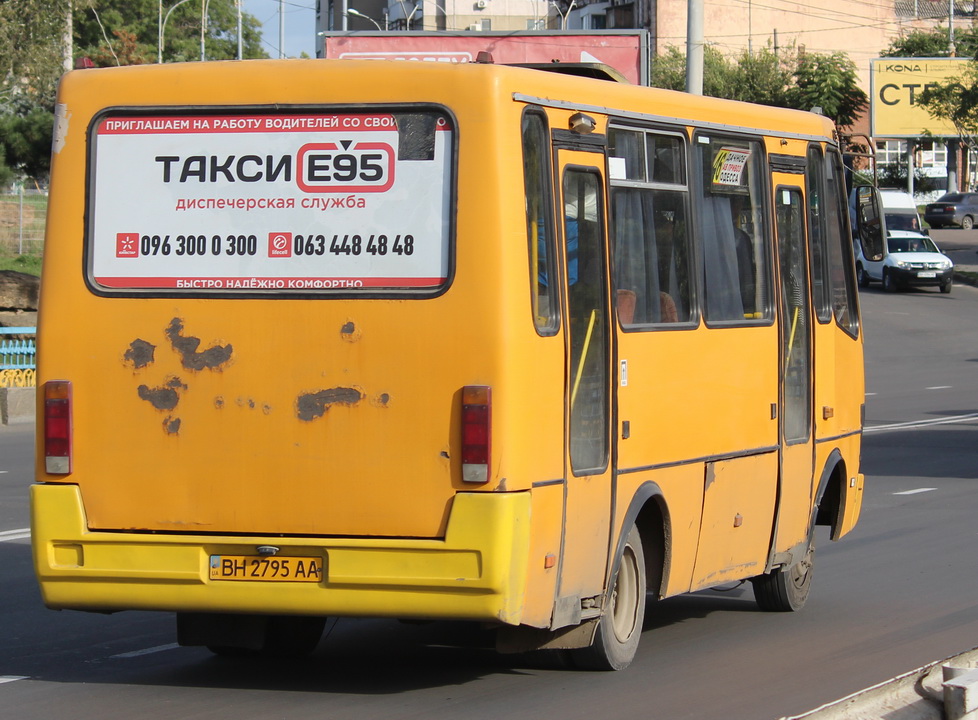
{"type": "Point", "coordinates": [694, 47]}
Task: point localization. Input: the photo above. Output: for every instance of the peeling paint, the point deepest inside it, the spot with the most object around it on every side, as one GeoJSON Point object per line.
{"type": "Point", "coordinates": [350, 332]}
{"type": "Point", "coordinates": [140, 353]}
{"type": "Point", "coordinates": [313, 405]}
{"type": "Point", "coordinates": [219, 402]}
{"type": "Point", "coordinates": [711, 476]}
{"type": "Point", "coordinates": [164, 397]}
{"type": "Point", "coordinates": [171, 425]}
{"type": "Point", "coordinates": [382, 400]}
{"type": "Point", "coordinates": [212, 358]}
{"type": "Point", "coordinates": [267, 409]}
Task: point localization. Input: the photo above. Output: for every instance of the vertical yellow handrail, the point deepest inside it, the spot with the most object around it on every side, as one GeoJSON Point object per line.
{"type": "Point", "coordinates": [580, 363]}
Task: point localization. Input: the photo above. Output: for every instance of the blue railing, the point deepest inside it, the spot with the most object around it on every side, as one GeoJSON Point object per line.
{"type": "Point", "coordinates": [17, 356]}
{"type": "Point", "coordinates": [17, 353]}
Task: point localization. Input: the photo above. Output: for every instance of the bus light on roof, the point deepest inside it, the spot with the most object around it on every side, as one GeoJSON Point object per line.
{"type": "Point", "coordinates": [57, 427]}
{"type": "Point", "coordinates": [476, 435]}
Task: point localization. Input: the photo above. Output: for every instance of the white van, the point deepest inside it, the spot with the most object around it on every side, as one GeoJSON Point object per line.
{"type": "Point", "coordinates": [899, 209]}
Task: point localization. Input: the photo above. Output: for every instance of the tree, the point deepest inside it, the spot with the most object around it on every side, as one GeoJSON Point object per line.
{"type": "Point", "coordinates": [956, 101]}
{"type": "Point", "coordinates": [780, 79]}
{"type": "Point", "coordinates": [32, 36]}
{"type": "Point", "coordinates": [26, 143]}
{"type": "Point", "coordinates": [934, 43]}
{"type": "Point", "coordinates": [828, 82]}
{"type": "Point", "coordinates": [125, 32]}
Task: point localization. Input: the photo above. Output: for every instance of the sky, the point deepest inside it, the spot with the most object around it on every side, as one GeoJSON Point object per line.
{"type": "Point", "coordinates": [300, 25]}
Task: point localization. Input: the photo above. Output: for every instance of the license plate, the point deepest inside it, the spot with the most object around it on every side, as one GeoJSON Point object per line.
{"type": "Point", "coordinates": [257, 568]}
{"type": "Point", "coordinates": [927, 274]}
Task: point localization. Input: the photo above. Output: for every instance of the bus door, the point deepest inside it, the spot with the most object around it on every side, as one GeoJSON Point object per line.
{"type": "Point", "coordinates": [588, 393]}
{"type": "Point", "coordinates": [797, 444]}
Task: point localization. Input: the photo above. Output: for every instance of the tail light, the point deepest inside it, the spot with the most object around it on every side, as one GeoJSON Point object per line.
{"type": "Point", "coordinates": [57, 427]}
{"type": "Point", "coordinates": [476, 434]}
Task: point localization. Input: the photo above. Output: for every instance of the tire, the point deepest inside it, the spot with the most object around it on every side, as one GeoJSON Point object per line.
{"type": "Point", "coordinates": [785, 589]}
{"type": "Point", "coordinates": [946, 287]}
{"type": "Point", "coordinates": [862, 277]}
{"type": "Point", "coordinates": [967, 222]}
{"type": "Point", "coordinates": [620, 628]}
{"type": "Point", "coordinates": [888, 284]}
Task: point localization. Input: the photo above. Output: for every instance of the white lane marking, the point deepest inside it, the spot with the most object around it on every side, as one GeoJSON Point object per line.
{"type": "Point", "coordinates": [15, 534]}
{"type": "Point", "coordinates": [940, 387]}
{"type": "Point", "coordinates": [4, 472]}
{"type": "Point", "coordinates": [146, 651]}
{"type": "Point", "coordinates": [914, 424]}
{"type": "Point", "coordinates": [914, 492]}
{"type": "Point", "coordinates": [12, 678]}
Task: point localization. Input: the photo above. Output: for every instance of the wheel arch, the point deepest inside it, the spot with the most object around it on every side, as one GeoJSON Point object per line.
{"type": "Point", "coordinates": [648, 511]}
{"type": "Point", "coordinates": [829, 506]}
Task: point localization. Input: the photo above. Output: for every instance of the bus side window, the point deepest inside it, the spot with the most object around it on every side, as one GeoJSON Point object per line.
{"type": "Point", "coordinates": [731, 214]}
{"type": "Point", "coordinates": [539, 222]}
{"type": "Point", "coordinates": [840, 271]}
{"type": "Point", "coordinates": [649, 227]}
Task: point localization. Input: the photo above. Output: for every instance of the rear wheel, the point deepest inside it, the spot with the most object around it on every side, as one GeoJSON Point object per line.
{"type": "Point", "coordinates": [967, 222]}
{"type": "Point", "coordinates": [620, 628]}
{"type": "Point", "coordinates": [785, 589]}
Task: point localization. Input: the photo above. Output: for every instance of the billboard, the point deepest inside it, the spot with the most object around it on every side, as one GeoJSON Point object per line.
{"type": "Point", "coordinates": [895, 86]}
{"type": "Point", "coordinates": [624, 50]}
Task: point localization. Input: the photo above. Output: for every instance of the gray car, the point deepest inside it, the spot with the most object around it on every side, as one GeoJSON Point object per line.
{"type": "Point", "coordinates": [959, 209]}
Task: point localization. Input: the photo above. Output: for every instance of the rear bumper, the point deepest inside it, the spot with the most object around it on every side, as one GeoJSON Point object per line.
{"type": "Point", "coordinates": [477, 572]}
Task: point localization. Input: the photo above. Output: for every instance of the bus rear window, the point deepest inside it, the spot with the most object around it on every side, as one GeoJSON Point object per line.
{"type": "Point", "coordinates": [286, 203]}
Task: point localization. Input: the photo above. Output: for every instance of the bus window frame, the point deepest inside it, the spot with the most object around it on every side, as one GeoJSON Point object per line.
{"type": "Point", "coordinates": [818, 242]}
{"type": "Point", "coordinates": [123, 111]}
{"type": "Point", "coordinates": [684, 187]}
{"type": "Point", "coordinates": [807, 304]}
{"type": "Point", "coordinates": [709, 137]}
{"type": "Point", "coordinates": [554, 271]}
{"type": "Point", "coordinates": [845, 249]}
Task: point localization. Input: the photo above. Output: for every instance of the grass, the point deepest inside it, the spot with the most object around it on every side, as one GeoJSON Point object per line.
{"type": "Point", "coordinates": [27, 263]}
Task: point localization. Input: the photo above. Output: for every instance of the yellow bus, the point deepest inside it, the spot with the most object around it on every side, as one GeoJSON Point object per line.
{"type": "Point", "coordinates": [427, 341]}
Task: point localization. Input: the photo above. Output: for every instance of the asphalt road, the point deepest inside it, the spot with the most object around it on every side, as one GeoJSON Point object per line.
{"type": "Point", "coordinates": [897, 593]}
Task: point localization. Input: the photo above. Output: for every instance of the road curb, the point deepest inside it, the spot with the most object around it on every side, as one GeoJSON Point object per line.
{"type": "Point", "coordinates": [915, 695]}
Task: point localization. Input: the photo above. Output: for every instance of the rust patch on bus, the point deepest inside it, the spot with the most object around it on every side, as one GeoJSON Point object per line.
{"type": "Point", "coordinates": [313, 405]}
{"type": "Point", "coordinates": [171, 425]}
{"type": "Point", "coordinates": [350, 332]}
{"type": "Point", "coordinates": [164, 397]}
{"type": "Point", "coordinates": [212, 358]}
{"type": "Point", "coordinates": [140, 353]}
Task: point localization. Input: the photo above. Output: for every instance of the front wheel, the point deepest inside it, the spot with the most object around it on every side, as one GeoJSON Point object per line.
{"type": "Point", "coordinates": [620, 628]}
{"type": "Point", "coordinates": [785, 589]}
{"type": "Point", "coordinates": [946, 287]}
{"type": "Point", "coordinates": [888, 284]}
{"type": "Point", "coordinates": [861, 276]}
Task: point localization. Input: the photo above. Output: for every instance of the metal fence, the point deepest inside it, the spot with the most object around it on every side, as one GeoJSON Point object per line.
{"type": "Point", "coordinates": [22, 218]}
{"type": "Point", "coordinates": [18, 349]}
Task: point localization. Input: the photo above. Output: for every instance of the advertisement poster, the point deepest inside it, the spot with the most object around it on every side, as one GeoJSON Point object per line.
{"type": "Point", "coordinates": [298, 202]}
